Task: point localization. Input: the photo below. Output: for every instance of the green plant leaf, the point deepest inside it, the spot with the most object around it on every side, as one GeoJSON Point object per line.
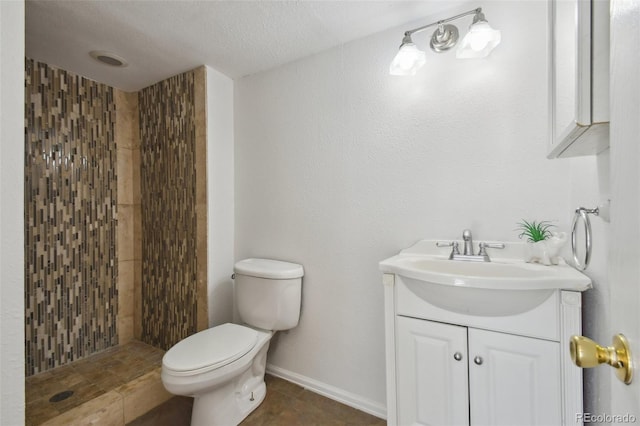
{"type": "Point", "coordinates": [534, 231]}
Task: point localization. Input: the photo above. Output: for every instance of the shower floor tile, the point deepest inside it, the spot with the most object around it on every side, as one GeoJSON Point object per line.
{"type": "Point", "coordinates": [88, 379]}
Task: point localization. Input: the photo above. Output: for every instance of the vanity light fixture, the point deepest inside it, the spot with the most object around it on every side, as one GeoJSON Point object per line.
{"type": "Point", "coordinates": [477, 43]}
{"type": "Point", "coordinates": [408, 59]}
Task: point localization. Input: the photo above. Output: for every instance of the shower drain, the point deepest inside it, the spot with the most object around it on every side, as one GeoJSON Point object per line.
{"type": "Point", "coordinates": [61, 396]}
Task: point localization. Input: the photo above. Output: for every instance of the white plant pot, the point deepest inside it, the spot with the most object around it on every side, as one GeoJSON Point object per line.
{"type": "Point", "coordinates": [546, 252]}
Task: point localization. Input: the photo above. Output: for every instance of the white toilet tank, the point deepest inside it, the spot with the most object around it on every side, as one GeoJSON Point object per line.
{"type": "Point", "coordinates": [268, 293]}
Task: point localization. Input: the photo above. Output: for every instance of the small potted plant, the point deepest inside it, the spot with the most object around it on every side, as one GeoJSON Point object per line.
{"type": "Point", "coordinates": [543, 245]}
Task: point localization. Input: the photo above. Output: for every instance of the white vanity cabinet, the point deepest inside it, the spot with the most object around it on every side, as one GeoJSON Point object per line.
{"type": "Point", "coordinates": [513, 379]}
{"type": "Point", "coordinates": [480, 343]}
{"type": "Point", "coordinates": [455, 368]}
{"type": "Point", "coordinates": [453, 375]}
{"type": "Point", "coordinates": [579, 77]}
{"type": "Point", "coordinates": [432, 373]}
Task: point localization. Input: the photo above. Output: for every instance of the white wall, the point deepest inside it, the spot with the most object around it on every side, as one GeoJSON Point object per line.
{"type": "Point", "coordinates": [220, 196]}
{"type": "Point", "coordinates": [339, 165]}
{"type": "Point", "coordinates": [624, 268]}
{"type": "Point", "coordinates": [590, 187]}
{"type": "Point", "coordinates": [11, 213]}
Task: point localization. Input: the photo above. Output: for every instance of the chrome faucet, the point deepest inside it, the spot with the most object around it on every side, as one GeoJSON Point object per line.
{"type": "Point", "coordinates": [467, 251]}
{"type": "Point", "coordinates": [468, 243]}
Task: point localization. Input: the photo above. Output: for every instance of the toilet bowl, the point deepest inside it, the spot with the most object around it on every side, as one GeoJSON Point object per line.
{"type": "Point", "coordinates": [226, 381]}
{"type": "Point", "coordinates": [223, 367]}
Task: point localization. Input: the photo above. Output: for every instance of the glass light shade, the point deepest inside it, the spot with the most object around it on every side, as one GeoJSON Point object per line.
{"type": "Point", "coordinates": [408, 60]}
{"type": "Point", "coordinates": [479, 41]}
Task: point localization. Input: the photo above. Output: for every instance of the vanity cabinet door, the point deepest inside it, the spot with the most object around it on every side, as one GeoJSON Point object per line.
{"type": "Point", "coordinates": [513, 380]}
{"type": "Point", "coordinates": [432, 373]}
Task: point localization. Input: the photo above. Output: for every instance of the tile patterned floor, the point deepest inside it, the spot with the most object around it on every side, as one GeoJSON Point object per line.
{"type": "Point", "coordinates": [88, 379]}
{"type": "Point", "coordinates": [286, 404]}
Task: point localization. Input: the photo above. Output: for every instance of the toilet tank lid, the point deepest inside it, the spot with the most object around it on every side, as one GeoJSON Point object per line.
{"type": "Point", "coordinates": [268, 268]}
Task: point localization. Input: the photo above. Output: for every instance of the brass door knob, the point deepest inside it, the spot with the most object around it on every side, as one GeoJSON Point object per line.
{"type": "Point", "coordinates": [586, 353]}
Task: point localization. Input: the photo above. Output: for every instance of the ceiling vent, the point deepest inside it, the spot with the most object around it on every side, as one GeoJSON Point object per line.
{"type": "Point", "coordinates": [108, 58]}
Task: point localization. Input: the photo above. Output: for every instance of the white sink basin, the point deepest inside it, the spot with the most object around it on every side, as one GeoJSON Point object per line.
{"type": "Point", "coordinates": [504, 286]}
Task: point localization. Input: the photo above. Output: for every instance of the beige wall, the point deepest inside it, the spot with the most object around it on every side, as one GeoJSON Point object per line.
{"type": "Point", "coordinates": [129, 219]}
{"type": "Point", "coordinates": [200, 99]}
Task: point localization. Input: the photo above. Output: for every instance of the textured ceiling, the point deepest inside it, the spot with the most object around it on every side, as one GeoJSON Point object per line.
{"type": "Point", "coordinates": [163, 38]}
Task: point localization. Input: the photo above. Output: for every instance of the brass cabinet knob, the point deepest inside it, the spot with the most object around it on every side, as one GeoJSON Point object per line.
{"type": "Point", "coordinates": [586, 353]}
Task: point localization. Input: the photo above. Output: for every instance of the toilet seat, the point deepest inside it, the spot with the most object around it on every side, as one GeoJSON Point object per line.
{"type": "Point", "coordinates": [209, 349]}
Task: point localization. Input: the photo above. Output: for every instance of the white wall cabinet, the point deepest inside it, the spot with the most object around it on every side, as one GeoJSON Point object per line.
{"type": "Point", "coordinates": [453, 375]}
{"type": "Point", "coordinates": [455, 368]}
{"type": "Point", "coordinates": [579, 77]}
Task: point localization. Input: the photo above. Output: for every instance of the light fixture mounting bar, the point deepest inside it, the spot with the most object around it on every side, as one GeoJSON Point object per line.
{"type": "Point", "coordinates": [477, 43]}
{"type": "Point", "coordinates": [443, 21]}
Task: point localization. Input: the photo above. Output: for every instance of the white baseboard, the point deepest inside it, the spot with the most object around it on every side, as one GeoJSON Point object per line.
{"type": "Point", "coordinates": [331, 392]}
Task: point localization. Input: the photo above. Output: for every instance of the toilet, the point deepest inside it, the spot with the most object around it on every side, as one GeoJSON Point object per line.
{"type": "Point", "coordinates": [223, 367]}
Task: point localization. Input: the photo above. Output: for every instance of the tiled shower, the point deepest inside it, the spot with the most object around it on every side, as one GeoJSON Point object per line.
{"type": "Point", "coordinates": [115, 215]}
{"type": "Point", "coordinates": [173, 194]}
{"type": "Point", "coordinates": [71, 297]}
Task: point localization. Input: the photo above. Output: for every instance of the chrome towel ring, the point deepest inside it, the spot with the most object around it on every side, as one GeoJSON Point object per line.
{"type": "Point", "coordinates": [581, 213]}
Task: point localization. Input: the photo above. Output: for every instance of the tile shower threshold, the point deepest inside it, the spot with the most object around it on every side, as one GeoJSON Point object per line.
{"type": "Point", "coordinates": [112, 387]}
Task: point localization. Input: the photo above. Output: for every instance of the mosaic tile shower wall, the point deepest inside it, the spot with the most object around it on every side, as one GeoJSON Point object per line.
{"type": "Point", "coordinates": [70, 217]}
{"type": "Point", "coordinates": [169, 223]}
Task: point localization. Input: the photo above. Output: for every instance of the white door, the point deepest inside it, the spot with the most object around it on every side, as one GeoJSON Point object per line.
{"type": "Point", "coordinates": [513, 380]}
{"type": "Point", "coordinates": [432, 373]}
{"type": "Point", "coordinates": [624, 256]}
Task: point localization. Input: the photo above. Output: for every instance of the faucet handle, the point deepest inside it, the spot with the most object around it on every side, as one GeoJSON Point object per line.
{"type": "Point", "coordinates": [484, 246]}
{"type": "Point", "coordinates": [452, 244]}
